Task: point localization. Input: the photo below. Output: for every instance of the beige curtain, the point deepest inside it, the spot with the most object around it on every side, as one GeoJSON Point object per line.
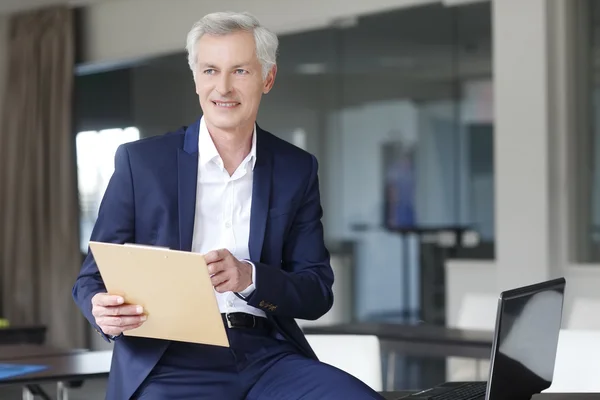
{"type": "Point", "coordinates": [39, 250]}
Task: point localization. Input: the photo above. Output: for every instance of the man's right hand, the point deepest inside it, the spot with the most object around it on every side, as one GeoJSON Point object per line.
{"type": "Point", "coordinates": [114, 317]}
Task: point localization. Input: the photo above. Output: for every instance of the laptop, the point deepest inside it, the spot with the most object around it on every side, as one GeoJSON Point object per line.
{"type": "Point", "coordinates": [528, 323]}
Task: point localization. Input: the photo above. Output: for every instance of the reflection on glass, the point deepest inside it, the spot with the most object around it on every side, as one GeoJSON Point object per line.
{"type": "Point", "coordinates": [95, 165]}
{"type": "Point", "coordinates": [528, 339]}
{"type": "Point", "coordinates": [413, 119]}
{"type": "Point", "coordinates": [399, 171]}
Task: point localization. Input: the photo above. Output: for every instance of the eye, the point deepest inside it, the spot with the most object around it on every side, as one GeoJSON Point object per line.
{"type": "Point", "coordinates": [209, 71]}
{"type": "Point", "coordinates": [240, 71]}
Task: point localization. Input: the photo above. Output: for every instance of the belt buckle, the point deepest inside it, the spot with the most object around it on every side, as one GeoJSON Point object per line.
{"type": "Point", "coordinates": [230, 325]}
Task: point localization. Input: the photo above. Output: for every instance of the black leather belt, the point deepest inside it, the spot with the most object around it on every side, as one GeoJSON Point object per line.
{"type": "Point", "coordinates": [243, 320]}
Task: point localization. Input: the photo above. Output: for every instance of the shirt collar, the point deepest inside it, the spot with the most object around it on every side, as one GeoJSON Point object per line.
{"type": "Point", "coordinates": [207, 151]}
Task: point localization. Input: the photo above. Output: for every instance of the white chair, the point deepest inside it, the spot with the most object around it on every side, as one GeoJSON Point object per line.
{"type": "Point", "coordinates": [478, 312]}
{"type": "Point", "coordinates": [577, 366]}
{"type": "Point", "coordinates": [358, 355]}
{"type": "Point", "coordinates": [583, 315]}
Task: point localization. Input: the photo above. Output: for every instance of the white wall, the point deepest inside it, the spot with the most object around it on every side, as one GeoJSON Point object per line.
{"type": "Point", "coordinates": [521, 157]}
{"type": "Point", "coordinates": [522, 141]}
{"type": "Point", "coordinates": [133, 29]}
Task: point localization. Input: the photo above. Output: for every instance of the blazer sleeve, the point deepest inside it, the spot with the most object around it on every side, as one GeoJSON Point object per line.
{"type": "Point", "coordinates": [115, 224]}
{"type": "Point", "coordinates": [302, 287]}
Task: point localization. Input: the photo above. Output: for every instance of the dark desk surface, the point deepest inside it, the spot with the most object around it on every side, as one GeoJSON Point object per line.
{"type": "Point", "coordinates": [566, 396]}
{"type": "Point", "coordinates": [96, 364]}
{"type": "Point", "coordinates": [35, 334]}
{"type": "Point", "coordinates": [77, 366]}
{"type": "Point", "coordinates": [542, 396]}
{"type": "Point", "coordinates": [395, 395]}
{"type": "Point", "coordinates": [11, 352]}
{"type": "Point", "coordinates": [418, 339]}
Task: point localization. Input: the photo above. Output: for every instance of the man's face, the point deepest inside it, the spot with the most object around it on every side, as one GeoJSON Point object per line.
{"type": "Point", "coordinates": [229, 80]}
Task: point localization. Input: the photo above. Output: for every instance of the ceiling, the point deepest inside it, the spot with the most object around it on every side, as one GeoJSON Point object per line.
{"type": "Point", "coordinates": [12, 6]}
{"type": "Point", "coordinates": [430, 43]}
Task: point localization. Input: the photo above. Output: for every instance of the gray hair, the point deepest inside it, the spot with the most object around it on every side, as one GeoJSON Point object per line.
{"type": "Point", "coordinates": [223, 23]}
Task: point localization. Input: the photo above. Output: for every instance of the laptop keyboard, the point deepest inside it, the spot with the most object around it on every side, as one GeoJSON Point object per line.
{"type": "Point", "coordinates": [468, 391]}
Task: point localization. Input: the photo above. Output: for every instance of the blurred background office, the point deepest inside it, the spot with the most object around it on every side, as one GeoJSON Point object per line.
{"type": "Point", "coordinates": [457, 141]}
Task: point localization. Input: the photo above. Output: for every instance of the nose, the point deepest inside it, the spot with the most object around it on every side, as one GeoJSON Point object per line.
{"type": "Point", "coordinates": [224, 85]}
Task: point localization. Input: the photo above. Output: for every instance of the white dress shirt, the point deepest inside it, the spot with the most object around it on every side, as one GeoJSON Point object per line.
{"type": "Point", "coordinates": [222, 219]}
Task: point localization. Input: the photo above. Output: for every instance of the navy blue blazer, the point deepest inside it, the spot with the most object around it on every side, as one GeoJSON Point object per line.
{"type": "Point", "coordinates": [151, 199]}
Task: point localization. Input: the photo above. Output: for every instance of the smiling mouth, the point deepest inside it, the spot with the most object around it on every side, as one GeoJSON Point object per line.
{"type": "Point", "coordinates": [226, 104]}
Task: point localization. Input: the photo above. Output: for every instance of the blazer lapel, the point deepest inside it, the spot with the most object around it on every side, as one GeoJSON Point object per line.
{"type": "Point", "coordinates": [187, 174]}
{"type": "Point", "coordinates": [261, 193]}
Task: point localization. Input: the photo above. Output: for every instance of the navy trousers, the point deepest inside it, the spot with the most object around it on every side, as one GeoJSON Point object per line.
{"type": "Point", "coordinates": [257, 366]}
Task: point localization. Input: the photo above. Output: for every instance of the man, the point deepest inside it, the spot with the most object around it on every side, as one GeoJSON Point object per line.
{"type": "Point", "coordinates": [248, 201]}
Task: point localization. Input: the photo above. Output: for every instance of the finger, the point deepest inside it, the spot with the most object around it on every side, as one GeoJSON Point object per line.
{"type": "Point", "coordinates": [105, 299]}
{"type": "Point", "coordinates": [130, 327]}
{"type": "Point", "coordinates": [229, 285]}
{"type": "Point", "coordinates": [211, 256]}
{"type": "Point", "coordinates": [219, 279]}
{"type": "Point", "coordinates": [129, 309]}
{"type": "Point", "coordinates": [215, 255]}
{"type": "Point", "coordinates": [120, 321]}
{"type": "Point", "coordinates": [116, 330]}
{"type": "Point", "coordinates": [216, 267]}
{"type": "Point", "coordinates": [224, 287]}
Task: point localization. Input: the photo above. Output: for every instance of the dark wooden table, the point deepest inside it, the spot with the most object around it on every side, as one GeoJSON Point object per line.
{"type": "Point", "coordinates": [64, 370]}
{"type": "Point", "coordinates": [35, 334]}
{"type": "Point", "coordinates": [91, 364]}
{"type": "Point", "coordinates": [395, 395]}
{"type": "Point", "coordinates": [9, 353]}
{"type": "Point", "coordinates": [96, 364]}
{"type": "Point", "coordinates": [415, 340]}
{"type": "Point", "coordinates": [542, 396]}
{"type": "Point", "coordinates": [566, 396]}
{"type": "Point", "coordinates": [421, 340]}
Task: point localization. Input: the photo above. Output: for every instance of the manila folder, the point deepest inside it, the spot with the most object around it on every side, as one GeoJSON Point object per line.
{"type": "Point", "coordinates": [173, 287]}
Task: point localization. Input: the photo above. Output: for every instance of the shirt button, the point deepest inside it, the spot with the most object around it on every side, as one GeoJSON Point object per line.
{"type": "Point", "coordinates": [227, 224]}
{"type": "Point", "coordinates": [229, 303]}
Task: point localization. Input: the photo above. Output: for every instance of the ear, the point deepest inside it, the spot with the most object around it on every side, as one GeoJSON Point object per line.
{"type": "Point", "coordinates": [270, 80]}
{"type": "Point", "coordinates": [195, 83]}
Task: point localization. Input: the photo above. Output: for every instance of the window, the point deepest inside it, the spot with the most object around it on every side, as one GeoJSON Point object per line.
{"type": "Point", "coordinates": [95, 165]}
{"type": "Point", "coordinates": [586, 163]}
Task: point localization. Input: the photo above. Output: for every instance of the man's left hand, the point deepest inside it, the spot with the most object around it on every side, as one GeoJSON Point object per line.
{"type": "Point", "coordinates": [228, 274]}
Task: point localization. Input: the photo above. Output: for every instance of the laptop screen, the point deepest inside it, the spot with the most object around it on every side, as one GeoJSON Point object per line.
{"type": "Point", "coordinates": [528, 325]}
